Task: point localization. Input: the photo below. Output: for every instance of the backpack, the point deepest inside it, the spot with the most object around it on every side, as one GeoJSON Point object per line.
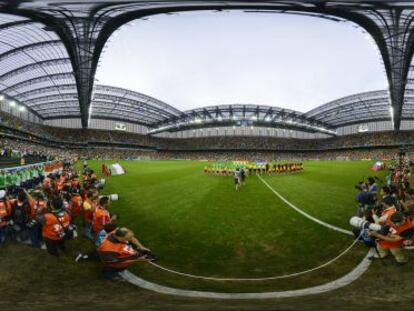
{"type": "Point", "coordinates": [20, 213]}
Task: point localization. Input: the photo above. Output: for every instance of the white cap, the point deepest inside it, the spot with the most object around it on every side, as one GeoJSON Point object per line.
{"type": "Point", "coordinates": [2, 194]}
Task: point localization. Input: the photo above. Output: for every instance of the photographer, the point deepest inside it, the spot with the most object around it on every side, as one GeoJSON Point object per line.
{"type": "Point", "coordinates": [407, 178]}
{"type": "Point", "coordinates": [88, 206]}
{"type": "Point", "coordinates": [100, 237]}
{"type": "Point", "coordinates": [55, 227]}
{"type": "Point", "coordinates": [20, 216]}
{"type": "Point", "coordinates": [372, 186]}
{"type": "Point", "coordinates": [38, 205]}
{"type": "Point", "coordinates": [119, 250]}
{"type": "Point", "coordinates": [365, 199]}
{"type": "Point", "coordinates": [5, 211]}
{"type": "Point", "coordinates": [75, 205]}
{"type": "Point", "coordinates": [387, 210]}
{"type": "Point", "coordinates": [400, 233]}
{"type": "Point", "coordinates": [387, 191]}
{"type": "Point", "coordinates": [101, 215]}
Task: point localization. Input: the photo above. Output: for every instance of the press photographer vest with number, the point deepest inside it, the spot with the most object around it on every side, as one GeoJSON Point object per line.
{"type": "Point", "coordinates": [4, 213]}
{"type": "Point", "coordinates": [397, 230]}
{"type": "Point", "coordinates": [55, 225]}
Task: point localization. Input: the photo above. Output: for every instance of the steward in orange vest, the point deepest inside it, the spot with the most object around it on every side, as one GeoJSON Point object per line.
{"type": "Point", "coordinates": [119, 250]}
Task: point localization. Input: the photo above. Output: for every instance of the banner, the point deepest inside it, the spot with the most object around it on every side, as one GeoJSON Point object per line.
{"type": "Point", "coordinates": [117, 169]}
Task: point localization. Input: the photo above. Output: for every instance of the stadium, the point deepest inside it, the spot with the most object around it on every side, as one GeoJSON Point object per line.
{"type": "Point", "coordinates": [121, 190]}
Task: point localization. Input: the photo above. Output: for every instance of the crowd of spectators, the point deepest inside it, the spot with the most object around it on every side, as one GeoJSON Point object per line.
{"type": "Point", "coordinates": [45, 152]}
{"type": "Point", "coordinates": [360, 140]}
{"type": "Point", "coordinates": [21, 148]}
{"type": "Point", "coordinates": [52, 142]}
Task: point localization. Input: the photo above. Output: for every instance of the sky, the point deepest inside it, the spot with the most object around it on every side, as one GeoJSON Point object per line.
{"type": "Point", "coordinates": [196, 59]}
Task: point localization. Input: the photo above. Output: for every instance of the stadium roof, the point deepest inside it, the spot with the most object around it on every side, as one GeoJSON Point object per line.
{"type": "Point", "coordinates": [242, 115]}
{"type": "Point", "coordinates": [54, 45]}
{"type": "Point", "coordinates": [354, 109]}
{"type": "Point", "coordinates": [33, 59]}
{"type": "Point", "coordinates": [362, 107]}
{"type": "Point", "coordinates": [58, 101]}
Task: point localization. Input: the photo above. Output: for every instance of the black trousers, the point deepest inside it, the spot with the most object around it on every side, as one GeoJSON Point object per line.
{"type": "Point", "coordinates": [110, 272]}
{"type": "Point", "coordinates": [53, 246]}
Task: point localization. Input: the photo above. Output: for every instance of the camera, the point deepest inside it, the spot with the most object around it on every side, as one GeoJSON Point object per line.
{"type": "Point", "coordinates": [360, 185]}
{"type": "Point", "coordinates": [111, 197]}
{"type": "Point", "coordinates": [362, 224]}
{"type": "Point", "coordinates": [99, 184]}
{"type": "Point", "coordinates": [31, 223]}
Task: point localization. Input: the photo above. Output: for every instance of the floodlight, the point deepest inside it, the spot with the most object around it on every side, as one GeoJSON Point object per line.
{"type": "Point", "coordinates": [12, 103]}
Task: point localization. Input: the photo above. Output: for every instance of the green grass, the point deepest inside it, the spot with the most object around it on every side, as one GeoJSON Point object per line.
{"type": "Point", "coordinates": [198, 223]}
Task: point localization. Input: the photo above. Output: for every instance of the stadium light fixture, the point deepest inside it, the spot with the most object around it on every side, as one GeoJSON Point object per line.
{"type": "Point", "coordinates": [268, 118]}
{"type": "Point", "coordinates": [22, 108]}
{"type": "Point", "coordinates": [2, 97]}
{"type": "Point", "coordinates": [12, 103]}
{"type": "Point", "coordinates": [219, 118]}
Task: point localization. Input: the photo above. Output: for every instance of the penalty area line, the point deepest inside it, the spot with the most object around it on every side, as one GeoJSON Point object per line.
{"type": "Point", "coordinates": [297, 209]}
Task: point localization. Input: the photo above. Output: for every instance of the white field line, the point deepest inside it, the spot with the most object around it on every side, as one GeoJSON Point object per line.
{"type": "Point", "coordinates": [341, 282]}
{"type": "Point", "coordinates": [336, 284]}
{"type": "Point", "coordinates": [278, 277]}
{"type": "Point", "coordinates": [332, 227]}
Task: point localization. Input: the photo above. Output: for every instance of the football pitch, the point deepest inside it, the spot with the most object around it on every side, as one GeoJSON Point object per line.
{"type": "Point", "coordinates": [197, 223]}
